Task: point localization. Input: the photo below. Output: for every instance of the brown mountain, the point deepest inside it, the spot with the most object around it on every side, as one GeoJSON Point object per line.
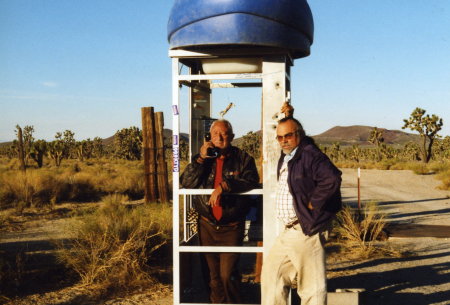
{"type": "Point", "coordinates": [357, 134]}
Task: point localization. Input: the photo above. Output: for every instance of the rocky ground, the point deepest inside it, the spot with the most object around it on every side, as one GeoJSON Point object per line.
{"type": "Point", "coordinates": [418, 214]}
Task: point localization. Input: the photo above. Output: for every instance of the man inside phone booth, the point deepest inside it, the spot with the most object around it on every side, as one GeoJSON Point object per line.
{"type": "Point", "coordinates": [227, 170]}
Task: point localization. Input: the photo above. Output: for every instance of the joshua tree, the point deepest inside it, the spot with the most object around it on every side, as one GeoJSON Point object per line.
{"type": "Point", "coordinates": [335, 151]}
{"type": "Point", "coordinates": [446, 147]}
{"type": "Point", "coordinates": [441, 148]}
{"type": "Point", "coordinates": [251, 143]}
{"type": "Point", "coordinates": [98, 149]}
{"type": "Point", "coordinates": [355, 153]}
{"type": "Point", "coordinates": [37, 152]}
{"type": "Point", "coordinates": [56, 151]}
{"type": "Point", "coordinates": [376, 138]}
{"type": "Point", "coordinates": [428, 127]}
{"type": "Point", "coordinates": [128, 143]}
{"type": "Point", "coordinates": [61, 147]}
{"type": "Point", "coordinates": [84, 149]}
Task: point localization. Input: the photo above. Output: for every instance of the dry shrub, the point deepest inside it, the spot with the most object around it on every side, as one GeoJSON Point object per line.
{"type": "Point", "coordinates": [5, 219]}
{"type": "Point", "coordinates": [444, 176]}
{"type": "Point", "coordinates": [442, 169]}
{"type": "Point", "coordinates": [383, 165]}
{"type": "Point", "coordinates": [82, 187]}
{"type": "Point", "coordinates": [439, 166]}
{"type": "Point", "coordinates": [419, 168]}
{"type": "Point", "coordinates": [13, 164]}
{"type": "Point", "coordinates": [359, 231]}
{"type": "Point", "coordinates": [130, 182]}
{"type": "Point", "coordinates": [347, 164]}
{"type": "Point", "coordinates": [72, 181]}
{"type": "Point", "coordinates": [124, 177]}
{"type": "Point", "coordinates": [110, 248]}
{"type": "Point", "coordinates": [25, 189]}
{"type": "Point", "coordinates": [400, 166]}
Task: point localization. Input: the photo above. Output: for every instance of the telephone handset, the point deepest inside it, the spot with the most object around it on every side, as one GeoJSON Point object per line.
{"type": "Point", "coordinates": [212, 152]}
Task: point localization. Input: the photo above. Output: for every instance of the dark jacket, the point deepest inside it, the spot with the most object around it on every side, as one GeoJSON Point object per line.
{"type": "Point", "coordinates": [240, 173]}
{"type": "Point", "coordinates": [312, 177]}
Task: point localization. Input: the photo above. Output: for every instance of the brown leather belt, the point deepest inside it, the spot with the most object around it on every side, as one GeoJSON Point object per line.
{"type": "Point", "coordinates": [292, 224]}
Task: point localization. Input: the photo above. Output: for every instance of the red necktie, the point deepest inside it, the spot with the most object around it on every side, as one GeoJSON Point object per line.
{"type": "Point", "coordinates": [217, 210]}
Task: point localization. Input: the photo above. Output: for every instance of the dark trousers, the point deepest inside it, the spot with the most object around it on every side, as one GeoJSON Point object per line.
{"type": "Point", "coordinates": [223, 267]}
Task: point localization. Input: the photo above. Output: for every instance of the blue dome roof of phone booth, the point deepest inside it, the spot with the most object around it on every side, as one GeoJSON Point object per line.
{"type": "Point", "coordinates": [211, 24]}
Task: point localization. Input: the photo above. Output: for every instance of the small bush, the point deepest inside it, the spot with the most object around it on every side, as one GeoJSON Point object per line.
{"type": "Point", "coordinates": [444, 176]}
{"type": "Point", "coordinates": [110, 248]}
{"type": "Point", "coordinates": [359, 230]}
{"type": "Point", "coordinates": [25, 189]}
{"type": "Point", "coordinates": [419, 168]}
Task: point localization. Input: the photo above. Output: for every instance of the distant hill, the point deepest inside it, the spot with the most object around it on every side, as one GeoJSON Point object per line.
{"type": "Point", "coordinates": [168, 135]}
{"type": "Point", "coordinates": [351, 135]}
{"type": "Point", "coordinates": [237, 141]}
{"type": "Point", "coordinates": [5, 143]}
{"type": "Point", "coordinates": [357, 134]}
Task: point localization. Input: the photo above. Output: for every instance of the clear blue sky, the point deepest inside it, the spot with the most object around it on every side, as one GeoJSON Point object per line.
{"type": "Point", "coordinates": [89, 66]}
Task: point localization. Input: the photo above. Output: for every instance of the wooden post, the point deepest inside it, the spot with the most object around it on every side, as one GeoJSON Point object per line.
{"type": "Point", "coordinates": [163, 180]}
{"type": "Point", "coordinates": [148, 145]}
{"type": "Point", "coordinates": [20, 149]}
{"type": "Point", "coordinates": [359, 190]}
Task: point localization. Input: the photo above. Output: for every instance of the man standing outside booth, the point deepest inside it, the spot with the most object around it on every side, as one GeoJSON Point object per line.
{"type": "Point", "coordinates": [222, 215]}
{"type": "Point", "coordinates": [308, 197]}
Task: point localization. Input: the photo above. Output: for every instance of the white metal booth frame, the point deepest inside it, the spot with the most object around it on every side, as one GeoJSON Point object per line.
{"type": "Point", "coordinates": [274, 78]}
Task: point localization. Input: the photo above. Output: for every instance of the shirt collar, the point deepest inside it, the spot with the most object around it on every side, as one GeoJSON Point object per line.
{"type": "Point", "coordinates": [289, 156]}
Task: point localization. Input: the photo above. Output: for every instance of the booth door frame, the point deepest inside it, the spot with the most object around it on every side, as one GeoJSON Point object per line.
{"type": "Point", "coordinates": [275, 82]}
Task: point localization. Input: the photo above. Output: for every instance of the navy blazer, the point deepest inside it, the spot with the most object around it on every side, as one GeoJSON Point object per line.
{"type": "Point", "coordinates": [313, 178]}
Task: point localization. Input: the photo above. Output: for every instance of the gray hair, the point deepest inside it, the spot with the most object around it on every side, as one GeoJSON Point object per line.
{"type": "Point", "coordinates": [225, 122]}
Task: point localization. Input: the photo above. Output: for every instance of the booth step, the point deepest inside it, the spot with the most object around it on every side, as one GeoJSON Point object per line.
{"type": "Point", "coordinates": [345, 297]}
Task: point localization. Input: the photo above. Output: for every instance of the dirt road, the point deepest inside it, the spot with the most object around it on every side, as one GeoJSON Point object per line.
{"type": "Point", "coordinates": [418, 212]}
{"type": "Point", "coordinates": [406, 197]}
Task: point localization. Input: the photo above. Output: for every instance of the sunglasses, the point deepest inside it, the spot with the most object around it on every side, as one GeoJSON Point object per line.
{"type": "Point", "coordinates": [288, 136]}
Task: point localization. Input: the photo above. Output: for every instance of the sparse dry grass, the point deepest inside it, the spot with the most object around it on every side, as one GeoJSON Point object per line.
{"type": "Point", "coordinates": [383, 165]}
{"type": "Point", "coordinates": [444, 176]}
{"type": "Point", "coordinates": [359, 231]}
{"type": "Point", "coordinates": [440, 168]}
{"type": "Point", "coordinates": [72, 182]}
{"type": "Point", "coordinates": [110, 248]}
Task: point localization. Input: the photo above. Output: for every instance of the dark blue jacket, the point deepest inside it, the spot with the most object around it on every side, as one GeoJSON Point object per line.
{"type": "Point", "coordinates": [312, 177]}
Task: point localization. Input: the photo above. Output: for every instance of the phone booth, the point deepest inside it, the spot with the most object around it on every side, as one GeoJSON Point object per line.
{"type": "Point", "coordinates": [229, 44]}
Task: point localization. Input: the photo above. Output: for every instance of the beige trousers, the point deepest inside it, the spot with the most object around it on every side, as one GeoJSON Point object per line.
{"type": "Point", "coordinates": [298, 258]}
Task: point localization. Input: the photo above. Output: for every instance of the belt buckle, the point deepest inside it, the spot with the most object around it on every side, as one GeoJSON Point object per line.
{"type": "Point", "coordinates": [292, 224]}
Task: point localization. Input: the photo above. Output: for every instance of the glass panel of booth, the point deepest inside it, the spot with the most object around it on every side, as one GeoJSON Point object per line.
{"type": "Point", "coordinates": [191, 273]}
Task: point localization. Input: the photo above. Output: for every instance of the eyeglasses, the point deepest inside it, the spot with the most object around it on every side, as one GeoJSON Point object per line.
{"type": "Point", "coordinates": [287, 136]}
